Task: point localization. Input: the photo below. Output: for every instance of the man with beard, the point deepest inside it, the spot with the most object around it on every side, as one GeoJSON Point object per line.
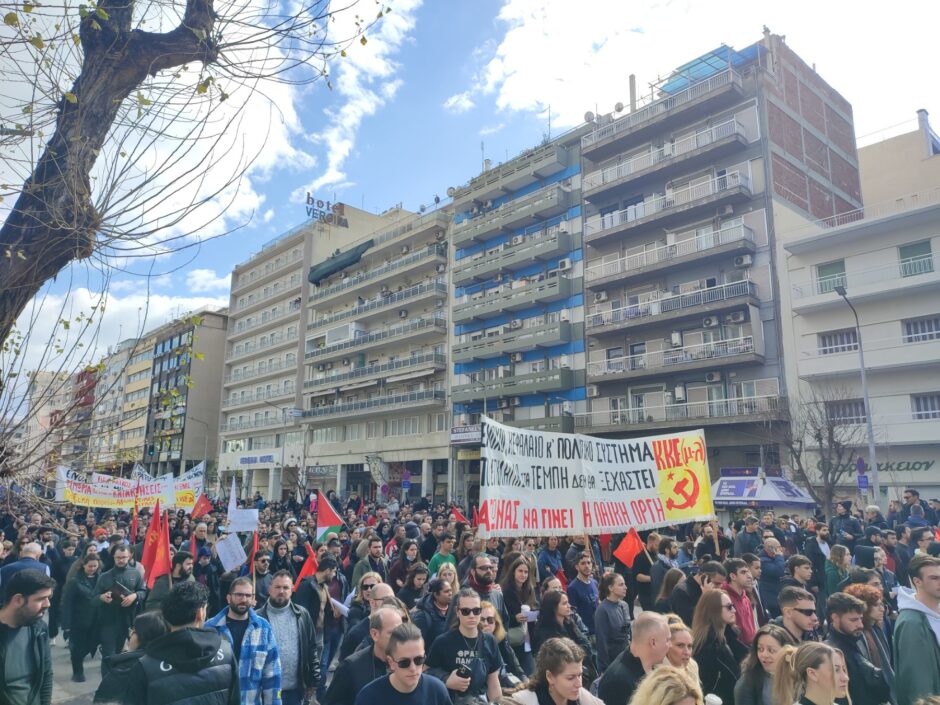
{"type": "Point", "coordinates": [868, 684]}
{"type": "Point", "coordinates": [121, 589]}
{"type": "Point", "coordinates": [182, 569]}
{"type": "Point", "coordinates": [26, 673]}
{"type": "Point", "coordinates": [482, 578]}
{"type": "Point", "coordinates": [296, 640]}
{"type": "Point", "coordinates": [816, 549]}
{"type": "Point", "coordinates": [252, 640]}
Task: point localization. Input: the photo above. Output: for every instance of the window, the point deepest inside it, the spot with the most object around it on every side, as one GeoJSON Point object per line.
{"type": "Point", "coordinates": [918, 330]}
{"type": "Point", "coordinates": [915, 259]}
{"type": "Point", "coordinates": [407, 426]}
{"type": "Point", "coordinates": [847, 411]}
{"type": "Point", "coordinates": [354, 432]}
{"type": "Point", "coordinates": [326, 435]}
{"type": "Point", "coordinates": [440, 422]}
{"type": "Point", "coordinates": [829, 276]}
{"type": "Point", "coordinates": [373, 429]}
{"type": "Point", "coordinates": [926, 406]}
{"type": "Point", "coordinates": [838, 341]}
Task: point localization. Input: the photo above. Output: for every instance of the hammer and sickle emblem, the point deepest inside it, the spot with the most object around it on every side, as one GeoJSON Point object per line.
{"type": "Point", "coordinates": [689, 497]}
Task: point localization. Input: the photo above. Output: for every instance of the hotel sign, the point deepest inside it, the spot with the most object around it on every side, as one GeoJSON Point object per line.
{"type": "Point", "coordinates": [326, 212]}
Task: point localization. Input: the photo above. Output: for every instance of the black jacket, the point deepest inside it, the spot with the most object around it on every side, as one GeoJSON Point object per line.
{"type": "Point", "coordinates": [429, 619]}
{"type": "Point", "coordinates": [685, 597]}
{"type": "Point", "coordinates": [40, 691]}
{"type": "Point", "coordinates": [190, 666]}
{"type": "Point", "coordinates": [309, 670]}
{"type": "Point", "coordinates": [80, 602]}
{"type": "Point", "coordinates": [719, 665]}
{"type": "Point", "coordinates": [352, 675]}
{"type": "Point", "coordinates": [130, 578]}
{"type": "Point", "coordinates": [812, 551]}
{"type": "Point", "coordinates": [868, 684]}
{"type": "Point", "coordinates": [620, 679]}
{"type": "Point", "coordinates": [117, 673]}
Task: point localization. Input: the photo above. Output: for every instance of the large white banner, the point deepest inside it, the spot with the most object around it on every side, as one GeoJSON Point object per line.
{"type": "Point", "coordinates": [106, 491]}
{"type": "Point", "coordinates": [536, 483]}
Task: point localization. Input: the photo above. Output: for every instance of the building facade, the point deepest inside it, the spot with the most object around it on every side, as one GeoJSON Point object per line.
{"type": "Point", "coordinates": [106, 421]}
{"type": "Point", "coordinates": [50, 398]}
{"type": "Point", "coordinates": [682, 312]}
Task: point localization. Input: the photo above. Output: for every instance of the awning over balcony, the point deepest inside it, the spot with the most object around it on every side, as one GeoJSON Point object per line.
{"type": "Point", "coordinates": [759, 492]}
{"type": "Point", "coordinates": [708, 64]}
{"type": "Point", "coordinates": [410, 375]}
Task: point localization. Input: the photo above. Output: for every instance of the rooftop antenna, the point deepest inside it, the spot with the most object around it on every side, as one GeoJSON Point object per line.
{"type": "Point", "coordinates": [482, 157]}
{"type": "Point", "coordinates": [549, 121]}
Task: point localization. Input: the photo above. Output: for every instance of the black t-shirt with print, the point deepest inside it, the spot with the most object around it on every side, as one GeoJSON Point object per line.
{"type": "Point", "coordinates": [452, 649]}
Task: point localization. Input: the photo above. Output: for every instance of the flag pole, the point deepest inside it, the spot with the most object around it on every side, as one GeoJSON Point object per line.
{"type": "Point", "coordinates": [166, 524]}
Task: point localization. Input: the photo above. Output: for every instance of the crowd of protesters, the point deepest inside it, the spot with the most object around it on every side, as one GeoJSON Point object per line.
{"type": "Point", "coordinates": [407, 604]}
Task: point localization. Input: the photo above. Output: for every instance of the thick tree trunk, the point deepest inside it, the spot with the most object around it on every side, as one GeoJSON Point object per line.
{"type": "Point", "coordinates": [54, 220]}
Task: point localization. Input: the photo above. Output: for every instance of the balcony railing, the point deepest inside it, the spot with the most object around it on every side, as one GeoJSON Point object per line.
{"type": "Point", "coordinates": [245, 280]}
{"type": "Point", "coordinates": [664, 202]}
{"type": "Point", "coordinates": [668, 253]}
{"type": "Point", "coordinates": [659, 107]}
{"type": "Point", "coordinates": [507, 297]}
{"type": "Point", "coordinates": [912, 266]}
{"type": "Point", "coordinates": [238, 375]}
{"type": "Point", "coordinates": [248, 425]}
{"type": "Point", "coordinates": [273, 341]}
{"type": "Point", "coordinates": [252, 398]}
{"type": "Point", "coordinates": [383, 369]}
{"type": "Point", "coordinates": [669, 303]}
{"type": "Point", "coordinates": [276, 292]}
{"type": "Point", "coordinates": [266, 318]}
{"type": "Point", "coordinates": [518, 252]}
{"type": "Point", "coordinates": [515, 385]}
{"type": "Point", "coordinates": [393, 400]}
{"type": "Point", "coordinates": [436, 250]}
{"type": "Point", "coordinates": [531, 160]}
{"type": "Point", "coordinates": [507, 214]}
{"type": "Point", "coordinates": [692, 411]}
{"type": "Point", "coordinates": [666, 153]}
{"type": "Point", "coordinates": [905, 271]}
{"type": "Point", "coordinates": [380, 302]}
{"type": "Point", "coordinates": [436, 321]}
{"type": "Point", "coordinates": [672, 356]}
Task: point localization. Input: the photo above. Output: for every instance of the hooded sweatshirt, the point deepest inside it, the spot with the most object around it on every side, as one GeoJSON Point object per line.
{"type": "Point", "coordinates": [907, 601]}
{"type": "Point", "coordinates": [916, 649]}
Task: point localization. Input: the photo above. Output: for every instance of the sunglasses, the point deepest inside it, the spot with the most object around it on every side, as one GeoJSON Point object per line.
{"type": "Point", "coordinates": [808, 611]}
{"type": "Point", "coordinates": [467, 611]}
{"type": "Point", "coordinates": [406, 662]}
{"type": "Point", "coordinates": [368, 587]}
{"type": "Point", "coordinates": [488, 620]}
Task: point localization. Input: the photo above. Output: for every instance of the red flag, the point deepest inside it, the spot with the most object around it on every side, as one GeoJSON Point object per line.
{"type": "Point", "coordinates": [476, 517]}
{"type": "Point", "coordinates": [161, 555]}
{"type": "Point", "coordinates": [150, 541]}
{"type": "Point", "coordinates": [362, 507]}
{"type": "Point", "coordinates": [254, 550]}
{"type": "Point", "coordinates": [936, 535]}
{"type": "Point", "coordinates": [308, 568]}
{"type": "Point", "coordinates": [134, 512]}
{"type": "Point", "coordinates": [631, 546]}
{"type": "Point", "coordinates": [202, 507]}
{"type": "Point", "coordinates": [193, 548]}
{"type": "Point", "coordinates": [458, 516]}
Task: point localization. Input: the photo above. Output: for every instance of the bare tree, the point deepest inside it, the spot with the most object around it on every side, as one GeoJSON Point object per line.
{"type": "Point", "coordinates": [115, 114]}
{"type": "Point", "coordinates": [822, 434]}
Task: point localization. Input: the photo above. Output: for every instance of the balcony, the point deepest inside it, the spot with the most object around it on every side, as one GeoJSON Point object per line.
{"type": "Point", "coordinates": [267, 318]}
{"type": "Point", "coordinates": [671, 308]}
{"type": "Point", "coordinates": [436, 252]}
{"type": "Point", "coordinates": [557, 424]}
{"type": "Point", "coordinates": [733, 240]}
{"type": "Point", "coordinates": [391, 369]}
{"type": "Point", "coordinates": [270, 269]}
{"type": "Point", "coordinates": [686, 154]}
{"type": "Point", "coordinates": [914, 276]}
{"type": "Point", "coordinates": [380, 304]}
{"type": "Point", "coordinates": [277, 291]}
{"type": "Point", "coordinates": [412, 330]}
{"type": "Point", "coordinates": [708, 95]}
{"type": "Point", "coordinates": [510, 340]}
{"type": "Point", "coordinates": [664, 209]}
{"type": "Point", "coordinates": [238, 376]}
{"type": "Point", "coordinates": [394, 402]}
{"type": "Point", "coordinates": [896, 353]}
{"type": "Point", "coordinates": [515, 296]}
{"type": "Point", "coordinates": [674, 360]}
{"type": "Point", "coordinates": [515, 385]}
{"type": "Point", "coordinates": [521, 251]}
{"type": "Point", "coordinates": [527, 168]}
{"type": "Point", "coordinates": [538, 205]}
{"type": "Point", "coordinates": [274, 341]}
{"type": "Point", "coordinates": [413, 225]}
{"type": "Point", "coordinates": [706, 413]}
{"type": "Point", "coordinates": [256, 398]}
{"type": "Point", "coordinates": [269, 422]}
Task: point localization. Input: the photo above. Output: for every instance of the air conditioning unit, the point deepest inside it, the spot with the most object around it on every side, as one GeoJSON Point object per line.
{"type": "Point", "coordinates": [515, 401]}
{"type": "Point", "coordinates": [346, 362]}
{"type": "Point", "coordinates": [488, 204]}
{"type": "Point", "coordinates": [676, 339]}
{"type": "Point", "coordinates": [593, 391]}
{"type": "Point", "coordinates": [515, 323]}
{"type": "Point", "coordinates": [503, 403]}
{"type": "Point", "coordinates": [403, 313]}
{"type": "Point", "coordinates": [725, 211]}
{"type": "Point", "coordinates": [516, 356]}
{"type": "Point", "coordinates": [517, 240]}
{"type": "Point", "coordinates": [710, 321]}
{"type": "Point", "coordinates": [564, 362]}
{"type": "Point", "coordinates": [562, 230]}
{"type": "Point", "coordinates": [564, 264]}
{"type": "Point", "coordinates": [736, 317]}
{"type": "Point", "coordinates": [405, 249]}
{"type": "Point", "coordinates": [329, 365]}
{"type": "Point", "coordinates": [442, 267]}
{"type": "Point", "coordinates": [566, 407]}
{"type": "Point", "coordinates": [667, 397]}
{"type": "Point", "coordinates": [743, 261]}
{"type": "Point", "coordinates": [564, 315]}
{"type": "Point", "coordinates": [321, 367]}
{"type": "Point", "coordinates": [439, 303]}
{"type": "Point", "coordinates": [679, 393]}
{"type": "Point", "coordinates": [713, 376]}
{"type": "Point", "coordinates": [600, 297]}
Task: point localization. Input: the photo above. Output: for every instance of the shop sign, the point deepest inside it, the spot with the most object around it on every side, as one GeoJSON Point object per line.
{"type": "Point", "coordinates": [460, 435]}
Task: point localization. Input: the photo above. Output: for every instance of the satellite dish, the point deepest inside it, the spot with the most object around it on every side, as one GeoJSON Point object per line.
{"type": "Point", "coordinates": [422, 208]}
{"type": "Point", "coordinates": [437, 199]}
{"type": "Point", "coordinates": [451, 191]}
{"type": "Point", "coordinates": [588, 116]}
{"type": "Point", "coordinates": [618, 107]}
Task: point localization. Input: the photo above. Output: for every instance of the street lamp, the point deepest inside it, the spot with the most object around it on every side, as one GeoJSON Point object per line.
{"type": "Point", "coordinates": [872, 461]}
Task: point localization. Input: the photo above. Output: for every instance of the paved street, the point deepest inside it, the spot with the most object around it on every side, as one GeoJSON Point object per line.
{"type": "Point", "coordinates": [65, 692]}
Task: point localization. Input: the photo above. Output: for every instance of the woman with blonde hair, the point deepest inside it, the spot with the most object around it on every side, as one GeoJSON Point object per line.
{"type": "Point", "coordinates": [756, 684]}
{"type": "Point", "coordinates": [837, 567]}
{"type": "Point", "coordinates": [715, 644]}
{"type": "Point", "coordinates": [811, 674]}
{"type": "Point", "coordinates": [668, 686]}
{"type": "Point", "coordinates": [359, 604]}
{"type": "Point", "coordinates": [557, 677]}
{"type": "Point", "coordinates": [449, 573]}
{"type": "Point", "coordinates": [511, 674]}
{"type": "Point", "coordinates": [680, 647]}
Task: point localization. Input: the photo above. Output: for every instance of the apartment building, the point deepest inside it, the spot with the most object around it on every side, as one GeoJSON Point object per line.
{"type": "Point", "coordinates": [104, 444]}
{"type": "Point", "coordinates": [49, 397]}
{"type": "Point", "coordinates": [884, 257]}
{"type": "Point", "coordinates": [680, 193]}
{"type": "Point", "coordinates": [73, 424]}
{"type": "Point", "coordinates": [185, 392]}
{"type": "Point", "coordinates": [518, 328]}
{"type": "Point", "coordinates": [335, 368]}
{"type": "Point", "coordinates": [135, 402]}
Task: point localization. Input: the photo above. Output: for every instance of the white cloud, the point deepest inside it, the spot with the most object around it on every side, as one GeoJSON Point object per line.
{"type": "Point", "coordinates": [459, 103]}
{"type": "Point", "coordinates": [578, 57]}
{"type": "Point", "coordinates": [365, 81]}
{"type": "Point", "coordinates": [205, 280]}
{"type": "Point", "coordinates": [268, 215]}
{"type": "Point", "coordinates": [491, 129]}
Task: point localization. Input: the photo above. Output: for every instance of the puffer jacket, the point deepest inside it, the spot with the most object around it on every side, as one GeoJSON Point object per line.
{"type": "Point", "coordinates": [429, 619]}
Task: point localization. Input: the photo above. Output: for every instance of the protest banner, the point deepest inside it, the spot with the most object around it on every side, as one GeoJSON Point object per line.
{"type": "Point", "coordinates": [537, 483]}
{"type": "Point", "coordinates": [231, 553]}
{"type": "Point", "coordinates": [107, 492]}
{"type": "Point", "coordinates": [189, 486]}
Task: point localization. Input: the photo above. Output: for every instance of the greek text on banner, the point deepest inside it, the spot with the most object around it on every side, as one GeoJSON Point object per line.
{"type": "Point", "coordinates": [536, 483]}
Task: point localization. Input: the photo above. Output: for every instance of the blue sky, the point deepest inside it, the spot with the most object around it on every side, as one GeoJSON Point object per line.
{"type": "Point", "coordinates": [409, 110]}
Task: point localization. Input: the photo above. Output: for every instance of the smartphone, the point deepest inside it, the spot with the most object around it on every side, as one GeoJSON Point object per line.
{"type": "Point", "coordinates": [464, 672]}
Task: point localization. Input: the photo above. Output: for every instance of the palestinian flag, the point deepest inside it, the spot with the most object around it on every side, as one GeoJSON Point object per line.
{"type": "Point", "coordinates": [327, 518]}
